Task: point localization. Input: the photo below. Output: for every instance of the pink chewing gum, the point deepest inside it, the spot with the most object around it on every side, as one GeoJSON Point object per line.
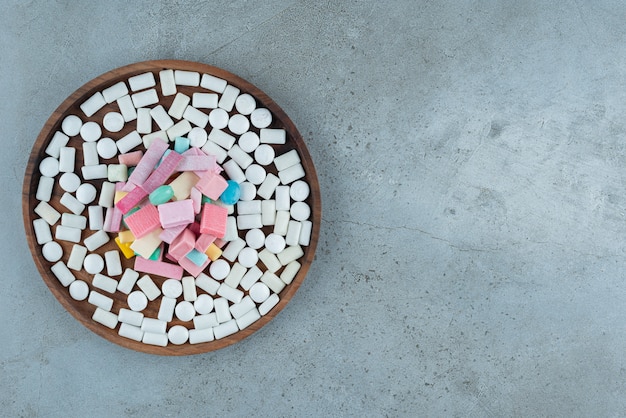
{"type": "Point", "coordinates": [192, 268]}
{"type": "Point", "coordinates": [196, 198]}
{"type": "Point", "coordinates": [131, 200]}
{"type": "Point", "coordinates": [168, 235]}
{"type": "Point", "coordinates": [162, 173]}
{"type": "Point", "coordinates": [182, 244]}
{"type": "Point", "coordinates": [147, 163]}
{"type": "Point", "coordinates": [203, 242]}
{"type": "Point", "coordinates": [177, 213]}
{"type": "Point", "coordinates": [213, 220]}
{"type": "Point", "coordinates": [130, 159]}
{"type": "Point", "coordinates": [196, 163]}
{"type": "Point", "coordinates": [115, 220]}
{"type": "Point", "coordinates": [211, 185]}
{"type": "Point", "coordinates": [144, 221]}
{"type": "Point", "coordinates": [158, 268]}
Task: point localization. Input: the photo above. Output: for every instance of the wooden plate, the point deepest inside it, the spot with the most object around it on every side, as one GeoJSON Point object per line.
{"type": "Point", "coordinates": [82, 310]}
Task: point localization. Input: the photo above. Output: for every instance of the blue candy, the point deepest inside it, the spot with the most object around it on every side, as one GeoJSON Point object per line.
{"type": "Point", "coordinates": [231, 195]}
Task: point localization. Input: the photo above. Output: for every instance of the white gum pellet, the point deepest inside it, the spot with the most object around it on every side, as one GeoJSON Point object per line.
{"type": "Point", "coordinates": [67, 156]}
{"type": "Point", "coordinates": [290, 254]}
{"type": "Point", "coordinates": [222, 139]}
{"type": "Point", "coordinates": [261, 118]}
{"type": "Point", "coordinates": [295, 172]}
{"type": "Point", "coordinates": [205, 321]}
{"type": "Point", "coordinates": [141, 81]}
{"type": "Point", "coordinates": [283, 202]}
{"type": "Point", "coordinates": [274, 243]}
{"type": "Point", "coordinates": [195, 116]}
{"type": "Point", "coordinates": [62, 273]}
{"type": "Point", "coordinates": [248, 318]}
{"type": "Point", "coordinates": [99, 300]}
{"type": "Point", "coordinates": [187, 78]}
{"type": "Point", "coordinates": [178, 335]}
{"type": "Point", "coordinates": [106, 148]}
{"type": "Point", "coordinates": [218, 118]}
{"type": "Point", "coordinates": [242, 307]}
{"type": "Point", "coordinates": [184, 311]}
{"type": "Point", "coordinates": [52, 251]}
{"type": "Point", "coordinates": [44, 189]}
{"type": "Point", "coordinates": [168, 83]}
{"type": "Point", "coordinates": [269, 260]}
{"type": "Point", "coordinates": [305, 233]}
{"type": "Point", "coordinates": [69, 182]}
{"type": "Point", "coordinates": [147, 139]}
{"type": "Point", "coordinates": [148, 287]}
{"type": "Point", "coordinates": [74, 221]}
{"type": "Point", "coordinates": [166, 309]}
{"type": "Point", "coordinates": [65, 233]}
{"type": "Point", "coordinates": [58, 141]}
{"type": "Point", "coordinates": [144, 120]}
{"type": "Point", "coordinates": [130, 317]}
{"type": "Point", "coordinates": [90, 131]}
{"type": "Point", "coordinates": [86, 193]}
{"type": "Point", "coordinates": [204, 100]}
{"type": "Point", "coordinates": [128, 142]}
{"type": "Point", "coordinates": [213, 83]}
{"type": "Point", "coordinates": [153, 325]}
{"type": "Point", "coordinates": [179, 129]}
{"type": "Point", "coordinates": [129, 331]}
{"type": "Point", "coordinates": [49, 167]}
{"type": "Point", "coordinates": [117, 173]}
{"type": "Point", "coordinates": [255, 238]}
{"type": "Point", "coordinates": [71, 125]}
{"type": "Point", "coordinates": [90, 154]}
{"type": "Point", "coordinates": [282, 222]}
{"type": "Point", "coordinates": [106, 318]}
{"type": "Point", "coordinates": [233, 171]}
{"type": "Point", "coordinates": [197, 137]}
{"type": "Point", "coordinates": [219, 269]}
{"type": "Point", "coordinates": [245, 104]}
{"type": "Point", "coordinates": [113, 263]}
{"type": "Point", "coordinates": [255, 174]}
{"type": "Point", "coordinates": [42, 231]}
{"type": "Point", "coordinates": [287, 160]}
{"type": "Point", "coordinates": [160, 116]}
{"type": "Point", "coordinates": [300, 211]}
{"type": "Point", "coordinates": [70, 202]}
{"type": "Point", "coordinates": [267, 306]}
{"type": "Point", "coordinates": [248, 207]}
{"type": "Point", "coordinates": [290, 271]}
{"type": "Point", "coordinates": [127, 109]}
{"type": "Point", "coordinates": [267, 188]}
{"type": "Point", "coordinates": [189, 289]}
{"type": "Point", "coordinates": [235, 275]}
{"type": "Point", "coordinates": [231, 229]}
{"type": "Point", "coordinates": [249, 221]}
{"type": "Point", "coordinates": [154, 339]}
{"type": "Point", "coordinates": [259, 292]}
{"type": "Point", "coordinates": [273, 136]}
{"type": "Point", "coordinates": [225, 329]}
{"type": "Point", "coordinates": [264, 154]}
{"type": "Point", "coordinates": [107, 194]}
{"type": "Point", "coordinates": [248, 191]}
{"type": "Point", "coordinates": [203, 304]}
{"type": "Point", "coordinates": [93, 263]}
{"type": "Point", "coordinates": [79, 290]}
{"type": "Point", "coordinates": [197, 336]}
{"type": "Point", "coordinates": [96, 240]}
{"type": "Point", "coordinates": [212, 148]}
{"type": "Point", "coordinates": [114, 92]}
{"type": "Point", "coordinates": [77, 256]}
{"type": "Point", "coordinates": [221, 310]}
{"type": "Point", "coordinates": [137, 300]}
{"type": "Point", "coordinates": [242, 158]}
{"type": "Point", "coordinates": [47, 213]}
{"type": "Point", "coordinates": [172, 288]}
{"type": "Point", "coordinates": [95, 172]}
{"type": "Point", "coordinates": [145, 98]}
{"type": "Point", "coordinates": [299, 190]}
{"type": "Point", "coordinates": [207, 284]}
{"type": "Point", "coordinates": [113, 122]}
{"type": "Point", "coordinates": [180, 103]}
{"type": "Point", "coordinates": [268, 212]}
{"type": "Point", "coordinates": [128, 280]}
{"type": "Point", "coordinates": [104, 283]}
{"type": "Point", "coordinates": [293, 233]}
{"type": "Point", "coordinates": [227, 101]}
{"type": "Point", "coordinates": [252, 275]}
{"type": "Point", "coordinates": [93, 104]}
{"type": "Point", "coordinates": [238, 124]}
{"type": "Point", "coordinates": [249, 141]}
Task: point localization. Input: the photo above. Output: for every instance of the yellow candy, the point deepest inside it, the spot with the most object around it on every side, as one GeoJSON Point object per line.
{"type": "Point", "coordinates": [126, 236]}
{"type": "Point", "coordinates": [119, 195]}
{"type": "Point", "coordinates": [214, 252]}
{"type": "Point", "coordinates": [125, 248]}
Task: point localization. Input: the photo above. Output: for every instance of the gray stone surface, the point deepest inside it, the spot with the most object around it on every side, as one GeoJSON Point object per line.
{"type": "Point", "coordinates": [471, 158]}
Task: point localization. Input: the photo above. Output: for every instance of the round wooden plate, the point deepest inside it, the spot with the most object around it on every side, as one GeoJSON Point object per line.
{"type": "Point", "coordinates": [82, 310]}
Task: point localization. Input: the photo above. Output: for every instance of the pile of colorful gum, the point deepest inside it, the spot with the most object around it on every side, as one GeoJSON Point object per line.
{"type": "Point", "coordinates": [180, 185]}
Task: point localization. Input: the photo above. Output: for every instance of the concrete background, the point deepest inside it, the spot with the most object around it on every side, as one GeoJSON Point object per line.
{"type": "Point", "coordinates": [471, 260]}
